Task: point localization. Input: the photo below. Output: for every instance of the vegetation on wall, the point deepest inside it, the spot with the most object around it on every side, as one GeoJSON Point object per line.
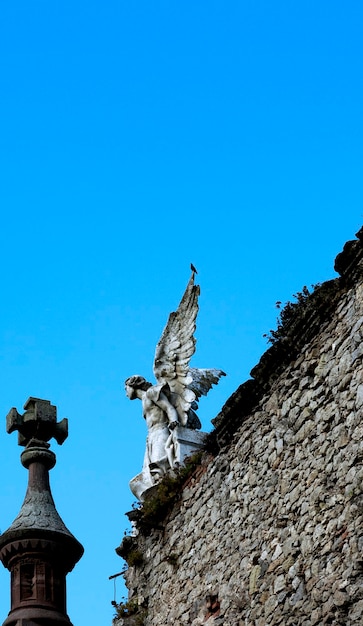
{"type": "Point", "coordinates": [288, 314]}
{"type": "Point", "coordinates": [163, 495]}
{"type": "Point", "coordinates": [130, 612]}
{"type": "Point", "coordinates": [308, 302]}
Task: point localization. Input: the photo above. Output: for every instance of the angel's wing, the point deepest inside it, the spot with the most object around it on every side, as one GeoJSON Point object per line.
{"type": "Point", "coordinates": [203, 379]}
{"type": "Point", "coordinates": [175, 349]}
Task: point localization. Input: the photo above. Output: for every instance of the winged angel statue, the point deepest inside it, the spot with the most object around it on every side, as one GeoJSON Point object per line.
{"type": "Point", "coordinates": [169, 406]}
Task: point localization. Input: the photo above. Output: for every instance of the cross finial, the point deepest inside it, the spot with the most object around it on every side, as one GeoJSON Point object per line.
{"type": "Point", "coordinates": [39, 422]}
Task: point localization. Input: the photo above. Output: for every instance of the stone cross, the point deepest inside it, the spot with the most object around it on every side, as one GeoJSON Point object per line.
{"type": "Point", "coordinates": [37, 424]}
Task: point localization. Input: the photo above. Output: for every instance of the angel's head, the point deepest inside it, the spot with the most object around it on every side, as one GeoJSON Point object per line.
{"type": "Point", "coordinates": [136, 382]}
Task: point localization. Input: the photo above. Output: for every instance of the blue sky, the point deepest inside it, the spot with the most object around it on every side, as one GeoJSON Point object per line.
{"type": "Point", "coordinates": [137, 137]}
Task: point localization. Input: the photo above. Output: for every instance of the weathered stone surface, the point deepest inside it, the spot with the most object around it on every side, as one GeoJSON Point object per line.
{"type": "Point", "coordinates": [277, 518]}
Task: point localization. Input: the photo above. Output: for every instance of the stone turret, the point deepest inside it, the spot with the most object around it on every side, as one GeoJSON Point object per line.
{"type": "Point", "coordinates": [38, 549]}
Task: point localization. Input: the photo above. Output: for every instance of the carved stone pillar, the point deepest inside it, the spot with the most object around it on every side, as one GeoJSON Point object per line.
{"type": "Point", "coordinates": [38, 549]}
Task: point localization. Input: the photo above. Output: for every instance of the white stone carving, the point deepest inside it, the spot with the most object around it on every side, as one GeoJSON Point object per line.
{"type": "Point", "coordinates": [169, 406]}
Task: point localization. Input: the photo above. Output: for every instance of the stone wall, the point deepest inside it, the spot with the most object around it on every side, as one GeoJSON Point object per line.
{"type": "Point", "coordinates": [268, 529]}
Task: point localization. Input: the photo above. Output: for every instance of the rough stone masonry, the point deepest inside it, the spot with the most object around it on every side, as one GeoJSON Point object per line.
{"type": "Point", "coordinates": [268, 529]}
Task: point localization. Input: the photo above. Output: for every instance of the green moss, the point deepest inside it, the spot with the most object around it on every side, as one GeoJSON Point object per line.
{"type": "Point", "coordinates": [173, 559]}
{"type": "Point", "coordinates": [129, 552]}
{"type": "Point", "coordinates": [134, 558]}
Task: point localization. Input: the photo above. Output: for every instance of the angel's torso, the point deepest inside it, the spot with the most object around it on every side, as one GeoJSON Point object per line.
{"type": "Point", "coordinates": [153, 414]}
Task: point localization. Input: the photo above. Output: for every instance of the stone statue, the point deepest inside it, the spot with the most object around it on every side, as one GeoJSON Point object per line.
{"type": "Point", "coordinates": [169, 406]}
